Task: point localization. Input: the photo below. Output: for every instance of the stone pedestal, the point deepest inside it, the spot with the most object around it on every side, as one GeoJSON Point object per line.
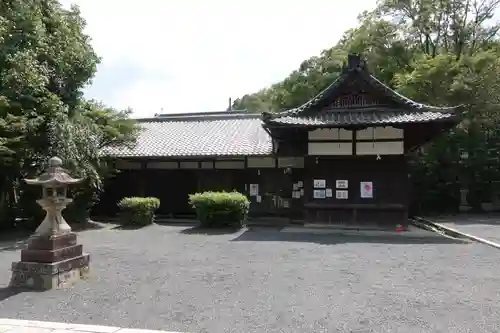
{"type": "Point", "coordinates": [50, 262]}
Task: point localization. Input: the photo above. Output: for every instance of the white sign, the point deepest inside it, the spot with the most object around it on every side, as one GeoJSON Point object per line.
{"type": "Point", "coordinates": [301, 192]}
{"type": "Point", "coordinates": [341, 194]}
{"type": "Point", "coordinates": [319, 183]}
{"type": "Point", "coordinates": [254, 189]}
{"type": "Point", "coordinates": [319, 194]}
{"type": "Point", "coordinates": [329, 193]}
{"type": "Point", "coordinates": [296, 194]}
{"type": "Point", "coordinates": [258, 198]}
{"type": "Point", "coordinates": [366, 189]}
{"type": "Point", "coordinates": [342, 184]}
{"type": "Point", "coordinates": [300, 183]}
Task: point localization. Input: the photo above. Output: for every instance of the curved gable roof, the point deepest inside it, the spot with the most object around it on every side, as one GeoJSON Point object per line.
{"type": "Point", "coordinates": [404, 110]}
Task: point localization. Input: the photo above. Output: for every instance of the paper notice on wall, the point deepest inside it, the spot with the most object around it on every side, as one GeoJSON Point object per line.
{"type": "Point", "coordinates": [319, 183]}
{"type": "Point", "coordinates": [295, 187]}
{"type": "Point", "coordinates": [258, 198]}
{"type": "Point", "coordinates": [301, 192]}
{"type": "Point", "coordinates": [319, 194]}
{"type": "Point", "coordinates": [329, 193]}
{"type": "Point", "coordinates": [296, 194]}
{"type": "Point", "coordinates": [342, 194]}
{"type": "Point", "coordinates": [342, 184]}
{"type": "Point", "coordinates": [254, 189]}
{"type": "Point", "coordinates": [300, 183]}
{"type": "Point", "coordinates": [366, 189]}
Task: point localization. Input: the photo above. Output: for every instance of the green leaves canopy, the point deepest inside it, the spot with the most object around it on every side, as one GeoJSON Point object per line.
{"type": "Point", "coordinates": [45, 62]}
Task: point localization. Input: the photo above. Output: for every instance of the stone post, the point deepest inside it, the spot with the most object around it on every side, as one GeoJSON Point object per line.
{"type": "Point", "coordinates": [53, 259]}
{"type": "Point", "coordinates": [464, 205]}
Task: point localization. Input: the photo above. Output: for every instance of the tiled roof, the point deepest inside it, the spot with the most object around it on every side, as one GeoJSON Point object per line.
{"type": "Point", "coordinates": [202, 134]}
{"type": "Point", "coordinates": [364, 117]}
{"type": "Point", "coordinates": [408, 111]}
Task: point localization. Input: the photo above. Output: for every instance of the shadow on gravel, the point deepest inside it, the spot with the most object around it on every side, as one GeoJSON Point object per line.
{"type": "Point", "coordinates": [7, 292]}
{"type": "Point", "coordinates": [129, 227]}
{"type": "Point", "coordinates": [17, 240]}
{"type": "Point", "coordinates": [89, 225]}
{"type": "Point", "coordinates": [332, 239]}
{"type": "Point", "coordinates": [468, 219]}
{"type": "Point", "coordinates": [13, 242]}
{"type": "Point", "coordinates": [206, 231]}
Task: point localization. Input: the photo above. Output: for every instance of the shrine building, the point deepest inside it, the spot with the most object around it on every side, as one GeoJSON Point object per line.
{"type": "Point", "coordinates": [339, 158]}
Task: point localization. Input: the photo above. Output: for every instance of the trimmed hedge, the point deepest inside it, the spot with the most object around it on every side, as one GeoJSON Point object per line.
{"type": "Point", "coordinates": [138, 211]}
{"type": "Point", "coordinates": [220, 209]}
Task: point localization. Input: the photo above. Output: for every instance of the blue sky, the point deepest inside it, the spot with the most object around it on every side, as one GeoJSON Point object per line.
{"type": "Point", "coordinates": [192, 55]}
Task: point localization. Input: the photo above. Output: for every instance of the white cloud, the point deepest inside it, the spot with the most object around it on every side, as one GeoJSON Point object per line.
{"type": "Point", "coordinates": [191, 55]}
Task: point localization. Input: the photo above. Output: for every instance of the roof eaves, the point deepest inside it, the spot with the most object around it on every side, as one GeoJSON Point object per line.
{"type": "Point", "coordinates": [266, 152]}
{"type": "Point", "coordinates": [407, 101]}
{"type": "Point", "coordinates": [200, 116]}
{"type": "Point", "coordinates": [440, 117]}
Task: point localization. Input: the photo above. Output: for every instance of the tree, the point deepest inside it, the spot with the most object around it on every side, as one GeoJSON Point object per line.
{"type": "Point", "coordinates": [45, 62]}
{"type": "Point", "coordinates": [459, 27]}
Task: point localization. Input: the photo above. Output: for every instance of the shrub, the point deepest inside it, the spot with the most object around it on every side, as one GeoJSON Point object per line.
{"type": "Point", "coordinates": [220, 209]}
{"type": "Point", "coordinates": [138, 211]}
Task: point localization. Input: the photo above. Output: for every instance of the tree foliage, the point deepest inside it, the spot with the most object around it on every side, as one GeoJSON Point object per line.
{"type": "Point", "coordinates": [440, 52]}
{"type": "Point", "coordinates": [45, 62]}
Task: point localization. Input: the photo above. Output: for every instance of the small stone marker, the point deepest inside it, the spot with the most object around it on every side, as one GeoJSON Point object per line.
{"type": "Point", "coordinates": [53, 259]}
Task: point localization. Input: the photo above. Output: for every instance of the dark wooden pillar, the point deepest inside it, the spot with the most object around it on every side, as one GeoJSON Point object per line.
{"type": "Point", "coordinates": [309, 168]}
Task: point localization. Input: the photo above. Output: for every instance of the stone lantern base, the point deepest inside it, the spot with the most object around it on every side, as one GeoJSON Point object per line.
{"type": "Point", "coordinates": [50, 262]}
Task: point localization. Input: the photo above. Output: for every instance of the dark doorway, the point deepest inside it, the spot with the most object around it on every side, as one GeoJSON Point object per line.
{"type": "Point", "coordinates": [172, 187]}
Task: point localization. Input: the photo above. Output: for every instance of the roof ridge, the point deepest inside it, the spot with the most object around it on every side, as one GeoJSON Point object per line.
{"type": "Point", "coordinates": [161, 115]}
{"type": "Point", "coordinates": [202, 116]}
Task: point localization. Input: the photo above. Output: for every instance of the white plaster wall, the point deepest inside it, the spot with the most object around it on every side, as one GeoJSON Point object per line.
{"type": "Point", "coordinates": [207, 165]}
{"type": "Point", "coordinates": [261, 162]}
{"type": "Point", "coordinates": [189, 165]}
{"type": "Point", "coordinates": [291, 162]}
{"type": "Point", "coordinates": [380, 148]}
{"type": "Point", "coordinates": [380, 133]}
{"type": "Point", "coordinates": [330, 134]}
{"type": "Point", "coordinates": [162, 165]}
{"type": "Point", "coordinates": [330, 148]}
{"type": "Point", "coordinates": [229, 164]}
{"type": "Point", "coordinates": [126, 165]}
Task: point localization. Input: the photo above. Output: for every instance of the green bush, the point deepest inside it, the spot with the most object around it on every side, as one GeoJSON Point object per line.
{"type": "Point", "coordinates": [138, 211]}
{"type": "Point", "coordinates": [220, 209]}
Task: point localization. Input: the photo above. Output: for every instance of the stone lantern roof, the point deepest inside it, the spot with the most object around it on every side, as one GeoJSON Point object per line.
{"type": "Point", "coordinates": [54, 176]}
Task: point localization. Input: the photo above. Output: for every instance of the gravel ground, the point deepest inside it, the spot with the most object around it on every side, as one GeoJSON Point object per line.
{"type": "Point", "coordinates": [162, 277]}
{"type": "Point", "coordinates": [486, 226]}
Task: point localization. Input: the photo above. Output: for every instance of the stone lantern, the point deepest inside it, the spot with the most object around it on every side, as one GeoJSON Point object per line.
{"type": "Point", "coordinates": [53, 259]}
